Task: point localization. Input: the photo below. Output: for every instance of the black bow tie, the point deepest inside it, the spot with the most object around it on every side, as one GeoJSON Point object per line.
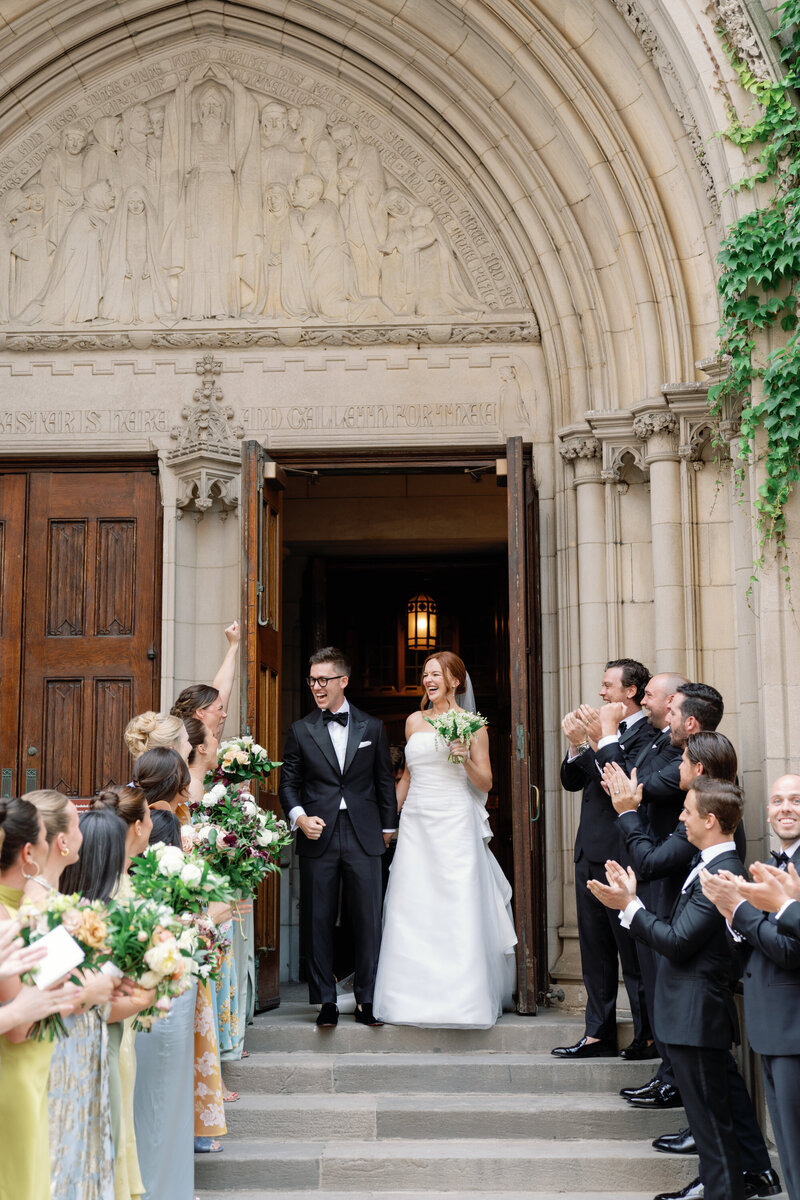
{"type": "Point", "coordinates": [623, 725]}
{"type": "Point", "coordinates": [339, 717]}
{"type": "Point", "coordinates": [782, 859]}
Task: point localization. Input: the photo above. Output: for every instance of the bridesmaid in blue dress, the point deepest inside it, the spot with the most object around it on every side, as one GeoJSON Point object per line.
{"type": "Point", "coordinates": [163, 1102]}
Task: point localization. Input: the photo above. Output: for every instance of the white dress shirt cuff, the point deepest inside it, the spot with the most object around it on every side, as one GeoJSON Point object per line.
{"type": "Point", "coordinates": [608, 740]}
{"type": "Point", "coordinates": [294, 813]}
{"type": "Point", "coordinates": [629, 912]}
{"type": "Point", "coordinates": [784, 907]}
{"type": "Point", "coordinates": [737, 937]}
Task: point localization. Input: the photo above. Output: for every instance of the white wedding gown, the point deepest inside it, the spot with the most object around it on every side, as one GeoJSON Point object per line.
{"type": "Point", "coordinates": [447, 953]}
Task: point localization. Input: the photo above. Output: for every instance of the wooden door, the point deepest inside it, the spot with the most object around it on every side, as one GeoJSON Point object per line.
{"type": "Point", "coordinates": [12, 545]}
{"type": "Point", "coordinates": [262, 533]}
{"type": "Point", "coordinates": [91, 642]}
{"type": "Point", "coordinates": [526, 735]}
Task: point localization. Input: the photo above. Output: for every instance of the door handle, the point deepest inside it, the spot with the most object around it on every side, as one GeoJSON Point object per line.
{"type": "Point", "coordinates": [32, 750]}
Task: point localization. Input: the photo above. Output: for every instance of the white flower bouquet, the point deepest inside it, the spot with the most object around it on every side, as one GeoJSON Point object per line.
{"type": "Point", "coordinates": [184, 882]}
{"type": "Point", "coordinates": [455, 726]}
{"type": "Point", "coordinates": [237, 838]}
{"type": "Point", "coordinates": [240, 759]}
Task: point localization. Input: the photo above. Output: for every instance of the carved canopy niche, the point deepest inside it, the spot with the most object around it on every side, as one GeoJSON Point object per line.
{"type": "Point", "coordinates": [222, 188]}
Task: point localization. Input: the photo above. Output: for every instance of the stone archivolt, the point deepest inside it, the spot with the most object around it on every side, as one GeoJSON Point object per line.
{"type": "Point", "coordinates": [234, 193]}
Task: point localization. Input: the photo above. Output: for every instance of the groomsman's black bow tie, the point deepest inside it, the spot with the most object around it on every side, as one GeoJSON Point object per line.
{"type": "Point", "coordinates": [782, 859]}
{"type": "Point", "coordinates": [623, 725]}
{"type": "Point", "coordinates": [339, 717]}
{"type": "Point", "coordinates": [698, 858]}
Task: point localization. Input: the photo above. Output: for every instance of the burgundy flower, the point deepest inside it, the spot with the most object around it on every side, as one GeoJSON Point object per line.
{"type": "Point", "coordinates": [230, 839]}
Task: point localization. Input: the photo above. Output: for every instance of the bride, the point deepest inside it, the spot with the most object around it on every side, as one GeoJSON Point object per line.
{"type": "Point", "coordinates": [447, 957]}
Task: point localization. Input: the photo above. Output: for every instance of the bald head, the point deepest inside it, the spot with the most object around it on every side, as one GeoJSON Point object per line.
{"type": "Point", "coordinates": [657, 696]}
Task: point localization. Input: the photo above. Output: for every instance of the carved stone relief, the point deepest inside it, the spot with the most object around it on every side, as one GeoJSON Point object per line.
{"type": "Point", "coordinates": [733, 20]}
{"type": "Point", "coordinates": [215, 185]}
{"type": "Point", "coordinates": [207, 457]}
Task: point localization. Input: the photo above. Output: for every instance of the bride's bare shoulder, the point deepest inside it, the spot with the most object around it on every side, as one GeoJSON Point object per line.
{"type": "Point", "coordinates": [416, 723]}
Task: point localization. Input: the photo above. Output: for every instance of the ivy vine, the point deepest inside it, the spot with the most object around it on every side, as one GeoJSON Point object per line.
{"type": "Point", "coordinates": [759, 286]}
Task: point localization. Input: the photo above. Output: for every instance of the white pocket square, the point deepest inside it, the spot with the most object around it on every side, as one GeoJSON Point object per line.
{"type": "Point", "coordinates": [361, 745]}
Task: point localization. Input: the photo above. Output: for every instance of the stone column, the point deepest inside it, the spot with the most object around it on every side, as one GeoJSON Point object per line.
{"type": "Point", "coordinates": [658, 429]}
{"type": "Point", "coordinates": [583, 452]}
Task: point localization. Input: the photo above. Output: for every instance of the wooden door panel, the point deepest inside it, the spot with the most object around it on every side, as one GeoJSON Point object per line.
{"type": "Point", "coordinates": [13, 489]}
{"type": "Point", "coordinates": [525, 669]}
{"type": "Point", "coordinates": [262, 558]}
{"type": "Point", "coordinates": [91, 623]}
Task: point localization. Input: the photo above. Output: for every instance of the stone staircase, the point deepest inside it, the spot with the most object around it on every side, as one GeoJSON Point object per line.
{"type": "Point", "coordinates": [397, 1113]}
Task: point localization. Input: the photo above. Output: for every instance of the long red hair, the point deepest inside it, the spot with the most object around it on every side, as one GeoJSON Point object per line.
{"type": "Point", "coordinates": [453, 668]}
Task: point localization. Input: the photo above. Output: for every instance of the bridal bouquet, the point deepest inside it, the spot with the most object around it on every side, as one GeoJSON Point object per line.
{"type": "Point", "coordinates": [237, 838]}
{"type": "Point", "coordinates": [184, 882]}
{"type": "Point", "coordinates": [457, 727]}
{"type": "Point", "coordinates": [240, 759]}
{"type": "Point", "coordinates": [86, 921]}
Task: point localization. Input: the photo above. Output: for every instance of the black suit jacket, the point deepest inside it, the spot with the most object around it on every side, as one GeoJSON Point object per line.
{"type": "Point", "coordinates": [310, 776]}
{"type": "Point", "coordinates": [771, 980]}
{"type": "Point", "coordinates": [694, 995]}
{"type": "Point", "coordinates": [598, 837]}
{"type": "Point", "coordinates": [658, 770]}
{"type": "Point", "coordinates": [789, 921]}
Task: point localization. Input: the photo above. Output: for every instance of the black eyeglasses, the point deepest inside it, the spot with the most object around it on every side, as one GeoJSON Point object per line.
{"type": "Point", "coordinates": [322, 680]}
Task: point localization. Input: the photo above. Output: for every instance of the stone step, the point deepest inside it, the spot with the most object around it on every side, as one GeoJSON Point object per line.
{"type": "Point", "coordinates": [350, 1195]}
{"type": "Point", "coordinates": [460, 1167]}
{"type": "Point", "coordinates": [271, 1073]}
{"type": "Point", "coordinates": [347, 1117]}
{"type": "Point", "coordinates": [293, 1027]}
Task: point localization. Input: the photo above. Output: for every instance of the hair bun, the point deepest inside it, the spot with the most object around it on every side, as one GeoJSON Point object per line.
{"type": "Point", "coordinates": [105, 799]}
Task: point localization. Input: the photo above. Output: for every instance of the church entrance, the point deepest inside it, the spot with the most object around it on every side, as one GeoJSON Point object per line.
{"type": "Point", "coordinates": [342, 550]}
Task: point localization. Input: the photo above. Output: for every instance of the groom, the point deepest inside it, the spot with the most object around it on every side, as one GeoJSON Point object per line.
{"type": "Point", "coordinates": [338, 792]}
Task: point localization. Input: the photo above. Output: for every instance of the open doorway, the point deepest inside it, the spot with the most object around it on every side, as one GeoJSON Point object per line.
{"type": "Point", "coordinates": [334, 551]}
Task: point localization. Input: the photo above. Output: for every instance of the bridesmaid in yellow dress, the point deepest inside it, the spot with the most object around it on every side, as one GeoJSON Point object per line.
{"type": "Point", "coordinates": [24, 1065]}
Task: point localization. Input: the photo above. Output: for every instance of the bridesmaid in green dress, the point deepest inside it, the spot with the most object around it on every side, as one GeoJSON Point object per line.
{"type": "Point", "coordinates": [24, 1065]}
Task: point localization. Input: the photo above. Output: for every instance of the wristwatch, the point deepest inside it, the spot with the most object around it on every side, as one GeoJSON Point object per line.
{"type": "Point", "coordinates": [583, 746]}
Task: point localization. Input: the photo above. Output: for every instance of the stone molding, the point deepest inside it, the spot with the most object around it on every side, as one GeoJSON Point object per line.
{"type": "Point", "coordinates": [636, 20]}
{"type": "Point", "coordinates": [466, 333]}
{"type": "Point", "coordinates": [614, 429]}
{"type": "Point", "coordinates": [732, 20]}
{"type": "Point", "coordinates": [585, 446]}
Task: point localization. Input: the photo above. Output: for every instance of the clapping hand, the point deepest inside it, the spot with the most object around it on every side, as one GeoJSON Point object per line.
{"type": "Point", "coordinates": [609, 717]}
{"type": "Point", "coordinates": [591, 721]}
{"type": "Point", "coordinates": [621, 887]}
{"type": "Point", "coordinates": [625, 793]}
{"type": "Point", "coordinates": [574, 729]}
{"type": "Point", "coordinates": [772, 888]}
{"type": "Point", "coordinates": [722, 889]}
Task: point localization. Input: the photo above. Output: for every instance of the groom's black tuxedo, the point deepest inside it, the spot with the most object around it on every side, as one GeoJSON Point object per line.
{"type": "Point", "coordinates": [351, 846]}
{"type": "Point", "coordinates": [311, 777]}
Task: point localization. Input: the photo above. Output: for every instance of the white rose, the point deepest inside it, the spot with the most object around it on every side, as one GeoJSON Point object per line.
{"type": "Point", "coordinates": [149, 980]}
{"type": "Point", "coordinates": [165, 958]}
{"type": "Point", "coordinates": [265, 837]}
{"type": "Point", "coordinates": [256, 749]}
{"type": "Point", "coordinates": [191, 874]}
{"type": "Point", "coordinates": [249, 808]}
{"type": "Point", "coordinates": [170, 860]}
{"type": "Point", "coordinates": [246, 740]}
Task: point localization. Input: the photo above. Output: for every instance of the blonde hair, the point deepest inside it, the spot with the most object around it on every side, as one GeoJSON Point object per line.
{"type": "Point", "coordinates": [150, 730]}
{"type": "Point", "coordinates": [52, 807]}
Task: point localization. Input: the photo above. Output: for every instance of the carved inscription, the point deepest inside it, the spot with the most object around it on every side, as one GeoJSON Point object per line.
{"type": "Point", "coordinates": [372, 416]}
{"type": "Point", "coordinates": [224, 185]}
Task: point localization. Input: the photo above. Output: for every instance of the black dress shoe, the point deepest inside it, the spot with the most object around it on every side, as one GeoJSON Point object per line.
{"type": "Point", "coordinates": [644, 1090]}
{"type": "Point", "coordinates": [692, 1191]}
{"type": "Point", "coordinates": [328, 1016]}
{"type": "Point", "coordinates": [761, 1183]}
{"type": "Point", "coordinates": [681, 1142]}
{"type": "Point", "coordinates": [365, 1016]}
{"type": "Point", "coordinates": [638, 1050]}
{"type": "Point", "coordinates": [663, 1095]}
{"type": "Point", "coordinates": [585, 1049]}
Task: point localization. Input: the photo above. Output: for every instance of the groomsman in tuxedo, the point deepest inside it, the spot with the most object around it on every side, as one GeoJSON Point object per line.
{"type": "Point", "coordinates": [710, 755]}
{"type": "Point", "coordinates": [695, 1013]}
{"type": "Point", "coordinates": [601, 939]}
{"type": "Point", "coordinates": [337, 790]}
{"type": "Point", "coordinates": [772, 981]}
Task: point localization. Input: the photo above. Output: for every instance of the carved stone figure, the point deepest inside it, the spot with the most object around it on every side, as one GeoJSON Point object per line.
{"type": "Point", "coordinates": [396, 286]}
{"type": "Point", "coordinates": [320, 148]}
{"type": "Point", "coordinates": [10, 205]}
{"type": "Point", "coordinates": [283, 273]}
{"type": "Point", "coordinates": [31, 249]}
{"type": "Point", "coordinates": [134, 287]}
{"type": "Point", "coordinates": [75, 284]}
{"type": "Point", "coordinates": [62, 179]}
{"type": "Point", "coordinates": [100, 160]}
{"type": "Point", "coordinates": [420, 273]}
{"type": "Point", "coordinates": [361, 185]}
{"type": "Point", "coordinates": [136, 162]}
{"type": "Point", "coordinates": [332, 288]}
{"type": "Point", "coordinates": [282, 158]}
{"type": "Point", "coordinates": [154, 140]}
{"type": "Point", "coordinates": [210, 199]}
{"type": "Point", "coordinates": [511, 398]}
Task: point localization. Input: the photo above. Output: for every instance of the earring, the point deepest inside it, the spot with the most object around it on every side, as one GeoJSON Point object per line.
{"type": "Point", "coordinates": [36, 872]}
{"type": "Point", "coordinates": [65, 853]}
